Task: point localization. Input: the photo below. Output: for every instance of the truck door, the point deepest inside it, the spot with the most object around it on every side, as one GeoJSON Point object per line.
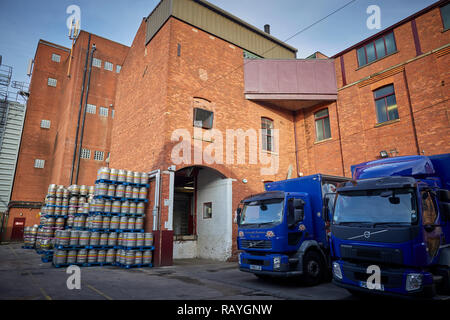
{"type": "Point", "coordinates": [430, 223]}
{"type": "Point", "coordinates": [296, 233]}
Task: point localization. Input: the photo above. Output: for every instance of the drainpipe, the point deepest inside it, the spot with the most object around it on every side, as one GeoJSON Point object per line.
{"type": "Point", "coordinates": [84, 114]}
{"type": "Point", "coordinates": [79, 110]}
{"type": "Point", "coordinates": [169, 223]}
{"type": "Point", "coordinates": [157, 176]}
{"type": "Point", "coordinates": [295, 140]}
{"type": "Point", "coordinates": [411, 112]}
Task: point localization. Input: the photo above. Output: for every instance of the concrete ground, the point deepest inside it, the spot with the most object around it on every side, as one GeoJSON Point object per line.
{"type": "Point", "coordinates": [23, 276]}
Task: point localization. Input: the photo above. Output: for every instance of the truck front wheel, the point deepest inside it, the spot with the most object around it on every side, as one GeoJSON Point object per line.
{"type": "Point", "coordinates": [313, 268]}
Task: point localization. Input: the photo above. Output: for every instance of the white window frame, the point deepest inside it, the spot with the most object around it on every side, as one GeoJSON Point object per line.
{"type": "Point", "coordinates": [103, 112]}
{"type": "Point", "coordinates": [56, 57]}
{"type": "Point", "coordinates": [118, 68]}
{"type": "Point", "coordinates": [99, 155]}
{"type": "Point", "coordinates": [90, 108]}
{"type": "Point", "coordinates": [39, 163]}
{"type": "Point", "coordinates": [45, 124]}
{"type": "Point", "coordinates": [96, 63]}
{"type": "Point", "coordinates": [85, 153]}
{"type": "Point", "coordinates": [109, 66]}
{"type": "Point", "coordinates": [112, 113]}
{"type": "Point", "coordinates": [51, 82]}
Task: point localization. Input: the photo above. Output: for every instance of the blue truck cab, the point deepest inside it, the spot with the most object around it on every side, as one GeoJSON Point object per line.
{"type": "Point", "coordinates": [283, 232]}
{"type": "Point", "coordinates": [390, 231]}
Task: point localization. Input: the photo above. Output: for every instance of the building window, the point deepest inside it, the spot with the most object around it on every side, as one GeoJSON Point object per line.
{"type": "Point", "coordinates": [203, 118]}
{"type": "Point", "coordinates": [118, 69]}
{"type": "Point", "coordinates": [97, 63]}
{"type": "Point", "coordinates": [323, 130]}
{"type": "Point", "coordinates": [103, 112]}
{"type": "Point", "coordinates": [56, 57]}
{"type": "Point", "coordinates": [112, 113]}
{"type": "Point", "coordinates": [445, 14]}
{"type": "Point", "coordinates": [85, 153]}
{"type": "Point", "coordinates": [386, 104]}
{"type": "Point", "coordinates": [376, 49]}
{"type": "Point", "coordinates": [207, 210]}
{"type": "Point", "coordinates": [99, 155]}
{"type": "Point", "coordinates": [90, 108]}
{"type": "Point", "coordinates": [38, 163]}
{"type": "Point", "coordinates": [45, 124]}
{"type": "Point", "coordinates": [109, 66]}
{"type": "Point", "coordinates": [52, 82]}
{"type": "Point", "coordinates": [267, 134]}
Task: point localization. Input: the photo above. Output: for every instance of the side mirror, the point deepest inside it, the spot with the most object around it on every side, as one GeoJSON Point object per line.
{"type": "Point", "coordinates": [238, 215]}
{"type": "Point", "coordinates": [444, 209]}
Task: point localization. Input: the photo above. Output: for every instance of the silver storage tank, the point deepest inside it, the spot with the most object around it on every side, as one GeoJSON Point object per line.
{"type": "Point", "coordinates": [144, 178]}
{"type": "Point", "coordinates": [147, 257]}
{"type": "Point", "coordinates": [82, 256]}
{"type": "Point", "coordinates": [140, 239]}
{"type": "Point", "coordinates": [113, 174]}
{"type": "Point", "coordinates": [120, 191]}
{"type": "Point", "coordinates": [111, 190]}
{"type": "Point", "coordinates": [123, 223]}
{"type": "Point", "coordinates": [135, 194]}
{"type": "Point", "coordinates": [138, 258]}
{"type": "Point", "coordinates": [130, 177]}
{"type": "Point", "coordinates": [84, 238]}
{"type": "Point", "coordinates": [132, 207]}
{"type": "Point", "coordinates": [104, 239]}
{"type": "Point", "coordinates": [129, 257]}
{"type": "Point", "coordinates": [131, 223]}
{"type": "Point", "coordinates": [107, 206]}
{"type": "Point", "coordinates": [115, 223]}
{"type": "Point", "coordinates": [143, 193]}
{"type": "Point", "coordinates": [94, 239]}
{"type": "Point", "coordinates": [125, 208]}
{"type": "Point", "coordinates": [139, 223]}
{"type": "Point", "coordinates": [84, 190]}
{"type": "Point", "coordinates": [136, 177]}
{"type": "Point", "coordinates": [112, 239]}
{"type": "Point", "coordinates": [106, 223]}
{"type": "Point", "coordinates": [92, 256]}
{"type": "Point", "coordinates": [148, 239]}
{"type": "Point", "coordinates": [128, 192]}
{"type": "Point", "coordinates": [101, 256]}
{"type": "Point", "coordinates": [140, 208]}
{"type": "Point", "coordinates": [121, 175]}
{"type": "Point", "coordinates": [111, 256]}
{"type": "Point", "coordinates": [72, 257]}
{"type": "Point", "coordinates": [116, 207]}
{"type": "Point", "coordinates": [60, 257]}
{"type": "Point", "coordinates": [74, 238]}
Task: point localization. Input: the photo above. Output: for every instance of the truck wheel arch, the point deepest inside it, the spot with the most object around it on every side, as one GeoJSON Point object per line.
{"type": "Point", "coordinates": [307, 246]}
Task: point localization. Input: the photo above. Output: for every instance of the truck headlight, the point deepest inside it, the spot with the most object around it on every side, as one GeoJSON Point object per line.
{"type": "Point", "coordinates": [337, 272]}
{"type": "Point", "coordinates": [276, 262]}
{"type": "Point", "coordinates": [413, 281]}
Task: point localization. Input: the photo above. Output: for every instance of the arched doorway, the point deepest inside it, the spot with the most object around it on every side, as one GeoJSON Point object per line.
{"type": "Point", "coordinates": [202, 214]}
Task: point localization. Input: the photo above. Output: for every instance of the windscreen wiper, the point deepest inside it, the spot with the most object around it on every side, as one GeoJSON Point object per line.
{"type": "Point", "coordinates": [391, 224]}
{"type": "Point", "coordinates": [354, 223]}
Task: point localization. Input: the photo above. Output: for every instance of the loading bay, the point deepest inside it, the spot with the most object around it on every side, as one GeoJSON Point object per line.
{"type": "Point", "coordinates": [23, 276]}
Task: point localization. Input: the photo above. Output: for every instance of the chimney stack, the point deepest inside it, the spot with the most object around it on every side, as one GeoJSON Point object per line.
{"type": "Point", "coordinates": [267, 28]}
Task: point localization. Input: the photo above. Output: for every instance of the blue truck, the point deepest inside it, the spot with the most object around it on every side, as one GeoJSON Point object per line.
{"type": "Point", "coordinates": [284, 231]}
{"type": "Point", "coordinates": [390, 231]}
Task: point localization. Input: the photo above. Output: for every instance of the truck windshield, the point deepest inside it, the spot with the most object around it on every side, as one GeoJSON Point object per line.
{"type": "Point", "coordinates": [394, 206]}
{"type": "Point", "coordinates": [262, 212]}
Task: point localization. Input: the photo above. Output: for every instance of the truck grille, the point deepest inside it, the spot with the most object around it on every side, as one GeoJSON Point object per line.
{"type": "Point", "coordinates": [256, 244]}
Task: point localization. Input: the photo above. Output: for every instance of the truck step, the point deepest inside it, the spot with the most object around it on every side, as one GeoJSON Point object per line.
{"type": "Point", "coordinates": [293, 260]}
{"type": "Point", "coordinates": [437, 278]}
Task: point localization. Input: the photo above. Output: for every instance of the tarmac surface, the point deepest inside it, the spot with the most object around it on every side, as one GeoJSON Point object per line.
{"type": "Point", "coordinates": [23, 276]}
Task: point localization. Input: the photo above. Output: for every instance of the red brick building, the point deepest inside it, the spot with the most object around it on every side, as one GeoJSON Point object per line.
{"type": "Point", "coordinates": [47, 149]}
{"type": "Point", "coordinates": [195, 72]}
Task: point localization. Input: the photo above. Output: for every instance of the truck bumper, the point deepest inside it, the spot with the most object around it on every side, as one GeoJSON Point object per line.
{"type": "Point", "coordinates": [265, 265]}
{"type": "Point", "coordinates": [393, 281]}
{"type": "Point", "coordinates": [275, 274]}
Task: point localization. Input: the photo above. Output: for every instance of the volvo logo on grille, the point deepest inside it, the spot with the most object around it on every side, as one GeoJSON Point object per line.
{"type": "Point", "coordinates": [367, 234]}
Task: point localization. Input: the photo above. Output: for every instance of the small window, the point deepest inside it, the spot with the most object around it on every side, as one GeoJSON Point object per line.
{"type": "Point", "coordinates": [112, 113]}
{"type": "Point", "coordinates": [323, 130]}
{"type": "Point", "coordinates": [52, 82]}
{"type": "Point", "coordinates": [90, 108]}
{"type": "Point", "coordinates": [109, 66]}
{"type": "Point", "coordinates": [56, 57]}
{"type": "Point", "coordinates": [99, 155]}
{"type": "Point", "coordinates": [445, 14]}
{"type": "Point", "coordinates": [97, 63]}
{"type": "Point", "coordinates": [39, 164]}
{"type": "Point", "coordinates": [386, 104]}
{"type": "Point", "coordinates": [203, 118]}
{"type": "Point", "coordinates": [45, 124]}
{"type": "Point", "coordinates": [118, 69]}
{"type": "Point", "coordinates": [267, 134]}
{"type": "Point", "coordinates": [207, 210]}
{"type": "Point", "coordinates": [376, 49]}
{"type": "Point", "coordinates": [103, 112]}
{"type": "Point", "coordinates": [85, 153]}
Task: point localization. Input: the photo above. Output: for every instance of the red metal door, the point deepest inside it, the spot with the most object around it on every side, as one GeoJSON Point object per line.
{"type": "Point", "coordinates": [17, 230]}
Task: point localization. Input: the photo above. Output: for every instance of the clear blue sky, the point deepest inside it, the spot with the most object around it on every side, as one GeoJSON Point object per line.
{"type": "Point", "coordinates": [24, 22]}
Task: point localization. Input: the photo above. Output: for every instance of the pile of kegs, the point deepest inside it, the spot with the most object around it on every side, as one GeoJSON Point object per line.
{"type": "Point", "coordinates": [30, 236]}
{"type": "Point", "coordinates": [122, 176]}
